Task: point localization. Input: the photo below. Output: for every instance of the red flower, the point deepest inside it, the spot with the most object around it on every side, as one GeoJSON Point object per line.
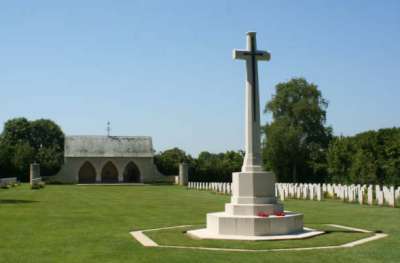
{"type": "Point", "coordinates": [281, 213]}
{"type": "Point", "coordinates": [263, 214]}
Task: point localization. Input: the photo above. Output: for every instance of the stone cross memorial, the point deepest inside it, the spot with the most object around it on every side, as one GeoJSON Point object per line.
{"type": "Point", "coordinates": [252, 159]}
{"type": "Point", "coordinates": [254, 212]}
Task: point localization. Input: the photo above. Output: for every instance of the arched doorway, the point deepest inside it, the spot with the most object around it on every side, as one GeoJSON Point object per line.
{"type": "Point", "coordinates": [87, 174]}
{"type": "Point", "coordinates": [109, 174]}
{"type": "Point", "coordinates": [131, 173]}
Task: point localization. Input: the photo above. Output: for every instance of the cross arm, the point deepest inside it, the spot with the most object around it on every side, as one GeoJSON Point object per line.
{"type": "Point", "coordinates": [263, 55]}
{"type": "Point", "coordinates": [240, 54]}
{"type": "Point", "coordinates": [245, 54]}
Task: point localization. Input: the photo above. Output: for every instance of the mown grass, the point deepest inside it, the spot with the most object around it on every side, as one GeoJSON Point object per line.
{"type": "Point", "coordinates": [68, 223]}
{"type": "Point", "coordinates": [332, 237]}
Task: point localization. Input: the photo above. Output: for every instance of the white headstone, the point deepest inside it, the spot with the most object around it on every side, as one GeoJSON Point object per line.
{"type": "Point", "coordinates": [311, 187]}
{"type": "Point", "coordinates": [391, 199]}
{"type": "Point", "coordinates": [298, 192]}
{"type": "Point", "coordinates": [360, 195]}
{"type": "Point", "coordinates": [319, 192]}
{"type": "Point", "coordinates": [379, 195]}
{"type": "Point", "coordinates": [370, 195]}
{"type": "Point", "coordinates": [397, 195]}
{"type": "Point", "coordinates": [305, 191]}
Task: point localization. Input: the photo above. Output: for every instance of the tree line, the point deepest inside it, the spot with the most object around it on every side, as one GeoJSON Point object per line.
{"type": "Point", "coordinates": [206, 167]}
{"type": "Point", "coordinates": [297, 146]}
{"type": "Point", "coordinates": [371, 157]}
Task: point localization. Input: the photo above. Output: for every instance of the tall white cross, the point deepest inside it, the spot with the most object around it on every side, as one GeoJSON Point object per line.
{"type": "Point", "coordinates": [252, 160]}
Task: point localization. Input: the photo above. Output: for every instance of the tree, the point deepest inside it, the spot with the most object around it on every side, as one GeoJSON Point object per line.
{"type": "Point", "coordinates": [25, 142]}
{"type": "Point", "coordinates": [207, 167]}
{"type": "Point", "coordinates": [283, 151]}
{"type": "Point", "coordinates": [219, 167]}
{"type": "Point", "coordinates": [50, 159]}
{"type": "Point", "coordinates": [365, 167]}
{"type": "Point", "coordinates": [168, 161]}
{"type": "Point", "coordinates": [371, 157]}
{"type": "Point", "coordinates": [232, 161]}
{"type": "Point", "coordinates": [47, 139]}
{"type": "Point", "coordinates": [296, 140]}
{"type": "Point", "coordinates": [388, 155]}
{"type": "Point", "coordinates": [6, 167]}
{"type": "Point", "coordinates": [23, 155]}
{"type": "Point", "coordinates": [16, 131]}
{"type": "Point", "coordinates": [339, 159]}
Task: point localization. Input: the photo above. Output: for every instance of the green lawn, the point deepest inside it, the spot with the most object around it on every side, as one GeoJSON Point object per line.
{"type": "Point", "coordinates": [92, 224]}
{"type": "Point", "coordinates": [333, 237]}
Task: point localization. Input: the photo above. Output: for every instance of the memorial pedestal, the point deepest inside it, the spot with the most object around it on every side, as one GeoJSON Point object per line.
{"type": "Point", "coordinates": [253, 194]}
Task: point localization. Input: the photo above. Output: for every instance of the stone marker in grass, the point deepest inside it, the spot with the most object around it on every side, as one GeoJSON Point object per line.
{"type": "Point", "coordinates": [34, 175]}
{"type": "Point", "coordinates": [183, 173]}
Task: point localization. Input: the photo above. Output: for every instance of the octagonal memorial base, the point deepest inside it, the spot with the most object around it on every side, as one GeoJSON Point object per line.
{"type": "Point", "coordinates": [226, 226]}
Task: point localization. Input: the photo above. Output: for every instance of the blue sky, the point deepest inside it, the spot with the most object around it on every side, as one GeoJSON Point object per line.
{"type": "Point", "coordinates": [164, 68]}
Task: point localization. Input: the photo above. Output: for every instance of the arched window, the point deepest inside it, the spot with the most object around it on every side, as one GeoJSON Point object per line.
{"type": "Point", "coordinates": [87, 173]}
{"type": "Point", "coordinates": [109, 173]}
{"type": "Point", "coordinates": [131, 173]}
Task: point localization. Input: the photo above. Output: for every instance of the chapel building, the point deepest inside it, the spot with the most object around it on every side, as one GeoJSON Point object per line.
{"type": "Point", "coordinates": [108, 159]}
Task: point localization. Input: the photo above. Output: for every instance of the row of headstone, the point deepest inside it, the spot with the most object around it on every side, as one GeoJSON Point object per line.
{"type": "Point", "coordinates": [224, 188]}
{"type": "Point", "coordinates": [298, 191]}
{"type": "Point", "coordinates": [362, 194]}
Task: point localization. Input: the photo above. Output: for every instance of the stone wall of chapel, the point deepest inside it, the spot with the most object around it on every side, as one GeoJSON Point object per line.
{"type": "Point", "coordinates": [70, 170]}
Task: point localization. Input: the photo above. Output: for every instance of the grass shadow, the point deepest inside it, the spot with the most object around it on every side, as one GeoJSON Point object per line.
{"type": "Point", "coordinates": [16, 201]}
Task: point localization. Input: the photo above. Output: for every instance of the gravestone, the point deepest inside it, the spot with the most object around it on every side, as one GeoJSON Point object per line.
{"type": "Point", "coordinates": [305, 191]}
{"type": "Point", "coordinates": [350, 194]}
{"type": "Point", "coordinates": [281, 192]}
{"type": "Point", "coordinates": [311, 191]}
{"type": "Point", "coordinates": [392, 197]}
{"type": "Point", "coordinates": [360, 194]}
{"type": "Point", "coordinates": [298, 191]}
{"type": "Point", "coordinates": [389, 195]}
{"type": "Point", "coordinates": [253, 190]}
{"type": "Point", "coordinates": [319, 192]}
{"type": "Point", "coordinates": [379, 195]}
{"type": "Point", "coordinates": [370, 195]}
{"type": "Point", "coordinates": [34, 175]}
